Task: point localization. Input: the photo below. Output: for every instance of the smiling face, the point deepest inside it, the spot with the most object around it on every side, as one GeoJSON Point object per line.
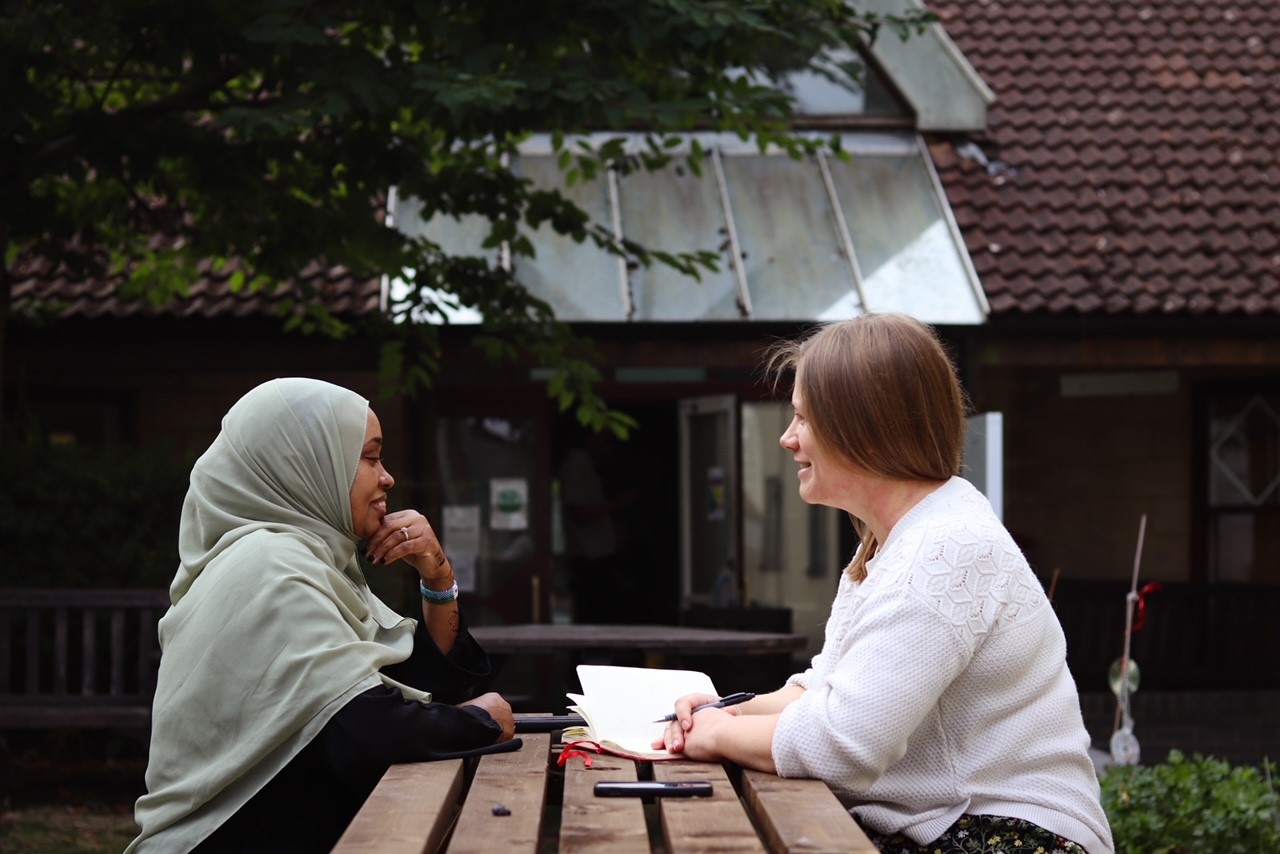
{"type": "Point", "coordinates": [823, 473]}
{"type": "Point", "coordinates": [369, 489]}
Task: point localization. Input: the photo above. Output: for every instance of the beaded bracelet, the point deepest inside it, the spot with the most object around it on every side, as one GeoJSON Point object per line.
{"type": "Point", "coordinates": [438, 597]}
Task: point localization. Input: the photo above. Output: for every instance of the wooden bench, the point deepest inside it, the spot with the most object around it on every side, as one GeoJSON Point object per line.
{"type": "Point", "coordinates": [525, 802]}
{"type": "Point", "coordinates": [78, 658]}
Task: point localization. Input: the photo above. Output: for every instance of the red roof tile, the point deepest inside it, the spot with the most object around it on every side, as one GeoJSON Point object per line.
{"type": "Point", "coordinates": [1136, 155]}
{"type": "Point", "coordinates": [209, 296]}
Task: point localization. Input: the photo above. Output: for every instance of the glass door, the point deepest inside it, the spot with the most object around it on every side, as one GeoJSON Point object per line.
{"type": "Point", "coordinates": [494, 514]}
{"type": "Point", "coordinates": [710, 573]}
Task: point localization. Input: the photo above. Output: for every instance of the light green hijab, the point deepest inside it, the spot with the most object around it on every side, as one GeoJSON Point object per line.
{"type": "Point", "coordinates": [272, 629]}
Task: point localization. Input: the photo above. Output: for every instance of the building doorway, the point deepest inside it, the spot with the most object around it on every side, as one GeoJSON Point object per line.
{"type": "Point", "coordinates": [618, 543]}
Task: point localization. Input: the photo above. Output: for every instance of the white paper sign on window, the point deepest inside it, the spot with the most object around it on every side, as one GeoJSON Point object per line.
{"type": "Point", "coordinates": [509, 504]}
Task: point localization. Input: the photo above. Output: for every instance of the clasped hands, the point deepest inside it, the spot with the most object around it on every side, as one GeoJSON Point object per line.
{"type": "Point", "coordinates": [696, 741]}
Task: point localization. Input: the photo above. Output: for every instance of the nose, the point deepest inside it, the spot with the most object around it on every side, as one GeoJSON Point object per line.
{"type": "Point", "coordinates": [788, 438]}
{"type": "Point", "coordinates": [386, 480]}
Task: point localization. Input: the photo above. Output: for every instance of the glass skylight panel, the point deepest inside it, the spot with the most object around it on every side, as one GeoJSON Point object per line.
{"type": "Point", "coordinates": [909, 256]}
{"type": "Point", "coordinates": [457, 236]}
{"type": "Point", "coordinates": [677, 213]}
{"type": "Point", "coordinates": [580, 281]}
{"type": "Point", "coordinates": [788, 234]}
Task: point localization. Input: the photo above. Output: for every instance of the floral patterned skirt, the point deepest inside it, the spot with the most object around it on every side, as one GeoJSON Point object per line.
{"type": "Point", "coordinates": [982, 834]}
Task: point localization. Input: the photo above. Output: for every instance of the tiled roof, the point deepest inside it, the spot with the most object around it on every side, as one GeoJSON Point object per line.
{"type": "Point", "coordinates": [210, 296]}
{"type": "Point", "coordinates": [1131, 156]}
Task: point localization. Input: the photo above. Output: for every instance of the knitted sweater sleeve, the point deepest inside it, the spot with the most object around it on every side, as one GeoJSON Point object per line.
{"type": "Point", "coordinates": [883, 676]}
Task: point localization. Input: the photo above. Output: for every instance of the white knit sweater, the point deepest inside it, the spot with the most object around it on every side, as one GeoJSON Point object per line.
{"type": "Point", "coordinates": [942, 687]}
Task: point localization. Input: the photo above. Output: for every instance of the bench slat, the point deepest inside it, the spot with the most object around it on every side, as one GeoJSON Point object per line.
{"type": "Point", "coordinates": [515, 780]}
{"type": "Point", "coordinates": [591, 824]}
{"type": "Point", "coordinates": [801, 815]}
{"type": "Point", "coordinates": [60, 667]}
{"type": "Point", "coordinates": [117, 653]}
{"type": "Point", "coordinates": [6, 651]}
{"type": "Point", "coordinates": [79, 713]}
{"type": "Point", "coordinates": [409, 811]}
{"type": "Point", "coordinates": [697, 825]}
{"type": "Point", "coordinates": [88, 647]}
{"type": "Point", "coordinates": [32, 677]}
{"type": "Point", "coordinates": [49, 597]}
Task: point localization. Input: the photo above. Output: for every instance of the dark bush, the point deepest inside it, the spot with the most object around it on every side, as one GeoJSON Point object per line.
{"type": "Point", "coordinates": [74, 516]}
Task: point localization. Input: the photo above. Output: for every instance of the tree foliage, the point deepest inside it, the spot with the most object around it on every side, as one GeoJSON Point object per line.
{"type": "Point", "coordinates": [142, 137]}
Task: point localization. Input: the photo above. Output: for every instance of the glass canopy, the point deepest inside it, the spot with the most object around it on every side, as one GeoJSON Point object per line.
{"type": "Point", "coordinates": [822, 238]}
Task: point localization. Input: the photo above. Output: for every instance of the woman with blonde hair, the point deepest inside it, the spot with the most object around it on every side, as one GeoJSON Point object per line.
{"type": "Point", "coordinates": [940, 707]}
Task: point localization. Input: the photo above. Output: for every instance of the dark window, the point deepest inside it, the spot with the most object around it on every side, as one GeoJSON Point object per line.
{"type": "Point", "coordinates": [1242, 486]}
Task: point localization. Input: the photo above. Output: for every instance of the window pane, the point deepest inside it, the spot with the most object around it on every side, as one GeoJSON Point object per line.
{"type": "Point", "coordinates": [1244, 450]}
{"type": "Point", "coordinates": [817, 96]}
{"type": "Point", "coordinates": [1245, 547]}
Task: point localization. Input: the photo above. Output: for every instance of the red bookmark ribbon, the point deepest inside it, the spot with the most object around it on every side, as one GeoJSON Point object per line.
{"type": "Point", "coordinates": [572, 753]}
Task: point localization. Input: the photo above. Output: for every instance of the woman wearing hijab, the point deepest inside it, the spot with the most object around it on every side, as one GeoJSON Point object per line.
{"type": "Point", "coordinates": [286, 688]}
{"type": "Point", "coordinates": [940, 706]}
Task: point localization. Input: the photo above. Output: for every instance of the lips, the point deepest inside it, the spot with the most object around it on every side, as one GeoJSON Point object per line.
{"type": "Point", "coordinates": [380, 506]}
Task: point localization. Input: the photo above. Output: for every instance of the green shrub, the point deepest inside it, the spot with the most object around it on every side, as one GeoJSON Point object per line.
{"type": "Point", "coordinates": [1200, 805]}
{"type": "Point", "coordinates": [89, 517]}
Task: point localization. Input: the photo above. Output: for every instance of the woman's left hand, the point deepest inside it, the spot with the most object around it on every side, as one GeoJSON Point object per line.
{"type": "Point", "coordinates": [407, 535]}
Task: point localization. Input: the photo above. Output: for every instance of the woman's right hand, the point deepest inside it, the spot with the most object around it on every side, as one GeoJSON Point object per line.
{"type": "Point", "coordinates": [498, 709]}
{"type": "Point", "coordinates": [685, 706]}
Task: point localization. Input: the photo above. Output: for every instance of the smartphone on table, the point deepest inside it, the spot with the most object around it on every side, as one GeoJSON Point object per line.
{"type": "Point", "coordinates": [653, 788]}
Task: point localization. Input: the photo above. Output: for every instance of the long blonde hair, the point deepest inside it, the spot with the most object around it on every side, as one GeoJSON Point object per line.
{"type": "Point", "coordinates": [881, 391]}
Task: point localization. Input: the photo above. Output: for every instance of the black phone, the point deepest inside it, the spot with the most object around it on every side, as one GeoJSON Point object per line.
{"type": "Point", "coordinates": [653, 788]}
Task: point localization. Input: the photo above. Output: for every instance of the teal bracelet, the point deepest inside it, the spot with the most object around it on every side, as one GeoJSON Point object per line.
{"type": "Point", "coordinates": [438, 597]}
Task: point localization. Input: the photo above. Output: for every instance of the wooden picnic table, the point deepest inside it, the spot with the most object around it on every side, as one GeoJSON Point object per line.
{"type": "Point", "coordinates": [524, 801]}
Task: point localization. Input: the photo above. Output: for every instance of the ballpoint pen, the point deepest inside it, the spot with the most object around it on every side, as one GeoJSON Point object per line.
{"type": "Point", "coordinates": [730, 700]}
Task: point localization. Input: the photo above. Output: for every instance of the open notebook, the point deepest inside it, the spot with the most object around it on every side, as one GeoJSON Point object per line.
{"type": "Point", "coordinates": [621, 707]}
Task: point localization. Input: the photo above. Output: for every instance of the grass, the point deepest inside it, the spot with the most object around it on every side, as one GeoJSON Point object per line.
{"type": "Point", "coordinates": [65, 830]}
{"type": "Point", "coordinates": [68, 793]}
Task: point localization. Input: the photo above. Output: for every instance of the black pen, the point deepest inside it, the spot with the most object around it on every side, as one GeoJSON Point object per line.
{"type": "Point", "coordinates": [731, 700]}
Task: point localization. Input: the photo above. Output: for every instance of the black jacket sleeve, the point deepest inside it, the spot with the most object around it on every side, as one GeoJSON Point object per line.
{"type": "Point", "coordinates": [450, 678]}
{"type": "Point", "coordinates": [310, 802]}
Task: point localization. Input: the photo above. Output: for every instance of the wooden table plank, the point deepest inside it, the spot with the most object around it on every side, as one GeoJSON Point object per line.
{"type": "Point", "coordinates": [408, 812]}
{"type": "Point", "coordinates": [516, 781]}
{"type": "Point", "coordinates": [701, 825]}
{"type": "Point", "coordinates": [801, 815]}
{"type": "Point", "coordinates": [605, 825]}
